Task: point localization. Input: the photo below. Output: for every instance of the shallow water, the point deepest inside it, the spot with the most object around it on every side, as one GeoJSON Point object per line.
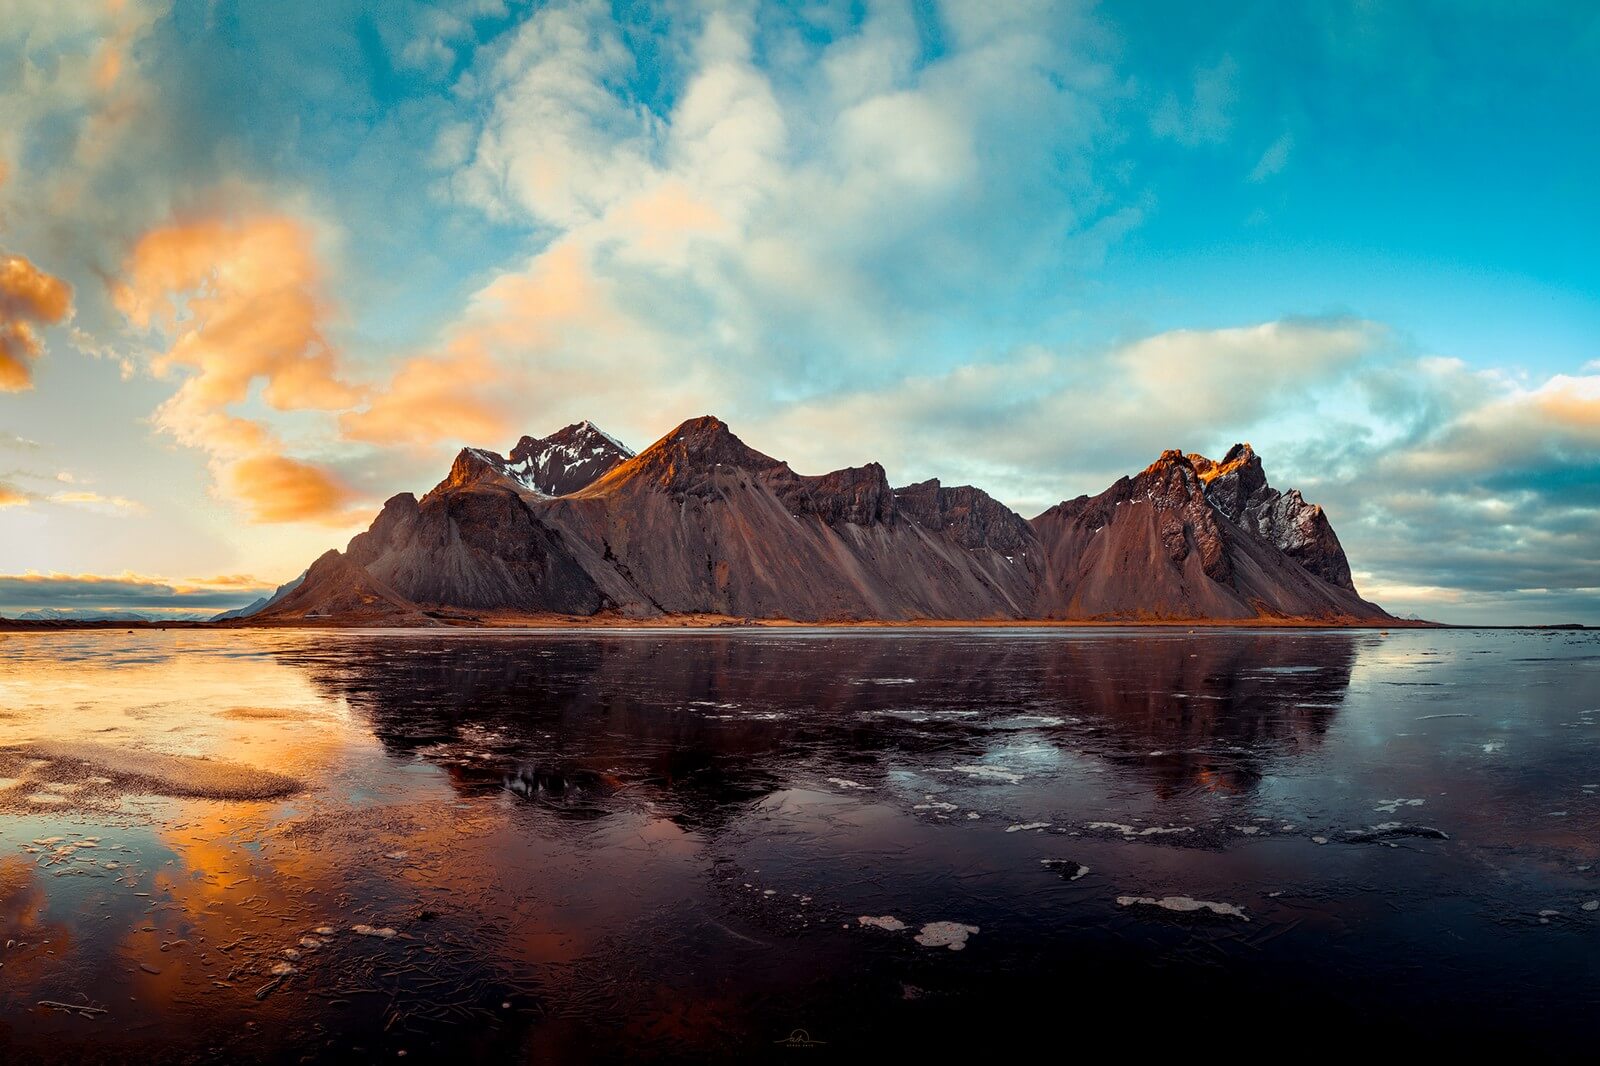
{"type": "Point", "coordinates": [575, 846]}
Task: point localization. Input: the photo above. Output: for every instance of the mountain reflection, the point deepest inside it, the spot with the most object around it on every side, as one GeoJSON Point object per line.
{"type": "Point", "coordinates": [704, 722]}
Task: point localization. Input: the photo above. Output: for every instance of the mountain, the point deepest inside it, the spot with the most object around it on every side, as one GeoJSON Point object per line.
{"type": "Point", "coordinates": [74, 614]}
{"type": "Point", "coordinates": [1162, 544]}
{"type": "Point", "coordinates": [701, 524]}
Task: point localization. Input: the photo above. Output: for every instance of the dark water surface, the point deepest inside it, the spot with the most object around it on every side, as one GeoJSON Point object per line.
{"type": "Point", "coordinates": [571, 847]}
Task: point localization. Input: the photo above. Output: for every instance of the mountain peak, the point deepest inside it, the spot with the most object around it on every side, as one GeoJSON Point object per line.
{"type": "Point", "coordinates": [1241, 458]}
{"type": "Point", "coordinates": [1237, 487]}
{"type": "Point", "coordinates": [579, 436]}
{"type": "Point", "coordinates": [701, 443]}
{"type": "Point", "coordinates": [473, 465]}
{"type": "Point", "coordinates": [706, 428]}
{"type": "Point", "coordinates": [569, 459]}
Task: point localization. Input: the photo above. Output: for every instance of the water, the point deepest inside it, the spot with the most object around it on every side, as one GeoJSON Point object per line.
{"type": "Point", "coordinates": [660, 845]}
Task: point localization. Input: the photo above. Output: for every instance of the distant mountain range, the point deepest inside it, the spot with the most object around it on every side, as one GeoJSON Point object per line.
{"type": "Point", "coordinates": [73, 614]}
{"type": "Point", "coordinates": [699, 524]}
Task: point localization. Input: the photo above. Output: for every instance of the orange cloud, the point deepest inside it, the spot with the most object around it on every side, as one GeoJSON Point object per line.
{"type": "Point", "coordinates": [457, 397]}
{"type": "Point", "coordinates": [28, 298]}
{"type": "Point", "coordinates": [96, 501]}
{"type": "Point", "coordinates": [661, 221]}
{"type": "Point", "coordinates": [276, 488]}
{"type": "Point", "coordinates": [11, 496]}
{"type": "Point", "coordinates": [240, 302]}
{"type": "Point", "coordinates": [465, 393]}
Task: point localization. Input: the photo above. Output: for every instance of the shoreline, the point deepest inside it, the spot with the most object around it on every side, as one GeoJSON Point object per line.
{"type": "Point", "coordinates": [710, 623]}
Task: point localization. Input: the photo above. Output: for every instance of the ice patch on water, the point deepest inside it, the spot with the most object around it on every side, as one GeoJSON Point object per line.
{"type": "Point", "coordinates": [1386, 831]}
{"type": "Point", "coordinates": [1024, 827]}
{"type": "Point", "coordinates": [1184, 905]}
{"type": "Point", "coordinates": [990, 773]}
{"type": "Point", "coordinates": [952, 935]}
{"type": "Point", "coordinates": [1131, 831]}
{"type": "Point", "coordinates": [1391, 806]}
{"type": "Point", "coordinates": [887, 922]}
{"type": "Point", "coordinates": [934, 805]}
{"type": "Point", "coordinates": [371, 930]}
{"type": "Point", "coordinates": [846, 783]}
{"type": "Point", "coordinates": [137, 770]}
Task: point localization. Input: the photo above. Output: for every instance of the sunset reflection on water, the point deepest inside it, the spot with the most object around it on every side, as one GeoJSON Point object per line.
{"type": "Point", "coordinates": [662, 843]}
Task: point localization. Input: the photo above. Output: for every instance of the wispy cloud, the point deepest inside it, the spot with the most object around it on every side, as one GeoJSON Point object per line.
{"type": "Point", "coordinates": [1274, 159]}
{"type": "Point", "coordinates": [14, 495]}
{"type": "Point", "coordinates": [1205, 115]}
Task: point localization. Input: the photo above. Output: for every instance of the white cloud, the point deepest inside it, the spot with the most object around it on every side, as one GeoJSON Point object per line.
{"type": "Point", "coordinates": [779, 229]}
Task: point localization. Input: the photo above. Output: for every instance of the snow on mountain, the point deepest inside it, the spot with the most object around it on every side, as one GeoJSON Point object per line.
{"type": "Point", "coordinates": [74, 614]}
{"type": "Point", "coordinates": [566, 461]}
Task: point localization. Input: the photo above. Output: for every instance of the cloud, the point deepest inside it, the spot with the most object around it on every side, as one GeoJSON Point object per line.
{"type": "Point", "coordinates": [96, 501]}
{"type": "Point", "coordinates": [14, 495]}
{"type": "Point", "coordinates": [751, 230]}
{"type": "Point", "coordinates": [1206, 117]}
{"type": "Point", "coordinates": [126, 591]}
{"type": "Point", "coordinates": [277, 488]}
{"type": "Point", "coordinates": [1274, 159]}
{"type": "Point", "coordinates": [29, 297]}
{"type": "Point", "coordinates": [238, 302]}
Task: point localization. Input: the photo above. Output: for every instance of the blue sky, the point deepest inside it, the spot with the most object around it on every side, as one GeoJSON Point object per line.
{"type": "Point", "coordinates": [315, 248]}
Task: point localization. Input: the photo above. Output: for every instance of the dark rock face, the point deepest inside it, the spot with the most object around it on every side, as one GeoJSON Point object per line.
{"type": "Point", "coordinates": [970, 516]}
{"type": "Point", "coordinates": [700, 523]}
{"type": "Point", "coordinates": [475, 547]}
{"type": "Point", "coordinates": [1238, 487]}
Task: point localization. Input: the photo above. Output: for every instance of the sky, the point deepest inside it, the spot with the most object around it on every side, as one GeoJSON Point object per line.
{"type": "Point", "coordinates": [264, 265]}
